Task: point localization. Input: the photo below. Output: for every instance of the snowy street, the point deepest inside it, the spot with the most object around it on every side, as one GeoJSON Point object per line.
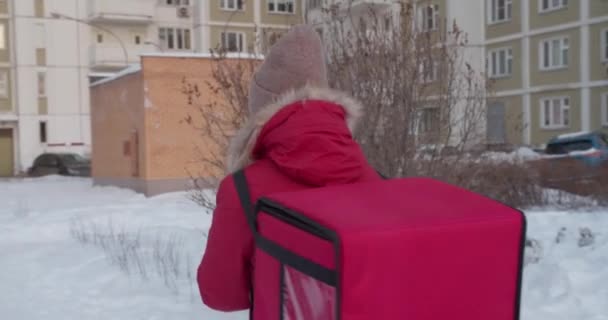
{"type": "Point", "coordinates": [72, 251]}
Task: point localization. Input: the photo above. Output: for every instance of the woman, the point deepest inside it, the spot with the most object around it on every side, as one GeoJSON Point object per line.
{"type": "Point", "coordinates": [299, 135]}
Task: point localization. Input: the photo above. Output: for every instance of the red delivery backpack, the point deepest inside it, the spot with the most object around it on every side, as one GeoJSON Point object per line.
{"type": "Point", "coordinates": [413, 249]}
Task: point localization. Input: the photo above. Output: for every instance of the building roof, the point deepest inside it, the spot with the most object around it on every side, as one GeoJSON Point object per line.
{"type": "Point", "coordinates": [134, 68]}
{"type": "Point", "coordinates": [229, 55]}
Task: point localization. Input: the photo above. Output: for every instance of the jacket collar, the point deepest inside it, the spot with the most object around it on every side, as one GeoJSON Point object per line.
{"type": "Point", "coordinates": [241, 146]}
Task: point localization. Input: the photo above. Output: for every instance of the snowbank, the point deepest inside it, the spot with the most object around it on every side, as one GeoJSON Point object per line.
{"type": "Point", "coordinates": [46, 273]}
{"type": "Point", "coordinates": [520, 154]}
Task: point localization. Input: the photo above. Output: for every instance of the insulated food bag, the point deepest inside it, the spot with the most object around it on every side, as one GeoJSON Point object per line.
{"type": "Point", "coordinates": [413, 248]}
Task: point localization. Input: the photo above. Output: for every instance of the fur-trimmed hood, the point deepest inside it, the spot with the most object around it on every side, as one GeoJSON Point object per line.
{"type": "Point", "coordinates": [241, 146]}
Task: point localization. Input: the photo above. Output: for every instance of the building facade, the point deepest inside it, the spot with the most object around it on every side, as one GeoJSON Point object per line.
{"type": "Point", "coordinates": [546, 61]}
{"type": "Point", "coordinates": [548, 66]}
{"type": "Point", "coordinates": [51, 50]}
{"type": "Point", "coordinates": [43, 82]}
{"type": "Point", "coordinates": [430, 17]}
{"type": "Point", "coordinates": [245, 26]}
{"type": "Point", "coordinates": [141, 139]}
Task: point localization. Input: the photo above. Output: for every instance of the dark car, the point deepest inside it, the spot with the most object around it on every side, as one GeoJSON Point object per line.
{"type": "Point", "coordinates": [66, 164]}
{"type": "Point", "coordinates": [591, 148]}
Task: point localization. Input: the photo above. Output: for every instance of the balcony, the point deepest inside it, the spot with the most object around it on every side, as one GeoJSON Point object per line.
{"type": "Point", "coordinates": [123, 11]}
{"type": "Point", "coordinates": [108, 57]}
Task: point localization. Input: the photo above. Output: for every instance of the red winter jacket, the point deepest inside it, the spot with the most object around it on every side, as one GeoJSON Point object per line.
{"type": "Point", "coordinates": [302, 141]}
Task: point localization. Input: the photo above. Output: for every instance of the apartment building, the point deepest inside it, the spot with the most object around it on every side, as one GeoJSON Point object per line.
{"type": "Point", "coordinates": [546, 60]}
{"type": "Point", "coordinates": [43, 82]}
{"type": "Point", "coordinates": [245, 25]}
{"type": "Point", "coordinates": [51, 50]}
{"type": "Point", "coordinates": [548, 63]}
{"type": "Point", "coordinates": [430, 17]}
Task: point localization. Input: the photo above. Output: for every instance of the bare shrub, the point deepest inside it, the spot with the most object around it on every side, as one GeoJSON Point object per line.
{"type": "Point", "coordinates": [135, 255]}
{"type": "Point", "coordinates": [217, 115]}
{"type": "Point", "coordinates": [420, 93]}
{"type": "Point", "coordinates": [425, 105]}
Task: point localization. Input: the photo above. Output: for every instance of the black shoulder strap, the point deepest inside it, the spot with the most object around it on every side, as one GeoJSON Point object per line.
{"type": "Point", "coordinates": [242, 189]}
{"type": "Point", "coordinates": [381, 175]}
{"type": "Point", "coordinates": [240, 182]}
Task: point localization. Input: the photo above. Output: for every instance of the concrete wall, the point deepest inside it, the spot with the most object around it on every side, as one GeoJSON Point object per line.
{"type": "Point", "coordinates": [596, 111]}
{"type": "Point", "coordinates": [65, 108]}
{"type": "Point", "coordinates": [540, 135]}
{"type": "Point", "coordinates": [501, 29]}
{"type": "Point", "coordinates": [538, 19]}
{"type": "Point", "coordinates": [568, 74]}
{"type": "Point", "coordinates": [598, 67]}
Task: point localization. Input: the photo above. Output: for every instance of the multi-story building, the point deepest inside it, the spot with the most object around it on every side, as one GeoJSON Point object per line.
{"type": "Point", "coordinates": [50, 51]}
{"type": "Point", "coordinates": [429, 17]}
{"type": "Point", "coordinates": [245, 25]}
{"type": "Point", "coordinates": [548, 61]}
{"type": "Point", "coordinates": [43, 82]}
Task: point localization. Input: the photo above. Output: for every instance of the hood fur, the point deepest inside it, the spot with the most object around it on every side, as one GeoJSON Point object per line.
{"type": "Point", "coordinates": [241, 146]}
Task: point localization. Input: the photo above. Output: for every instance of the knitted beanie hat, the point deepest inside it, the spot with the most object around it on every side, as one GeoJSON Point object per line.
{"type": "Point", "coordinates": [294, 61]}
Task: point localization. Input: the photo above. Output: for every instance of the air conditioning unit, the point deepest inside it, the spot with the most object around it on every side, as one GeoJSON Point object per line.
{"type": "Point", "coordinates": [184, 12]}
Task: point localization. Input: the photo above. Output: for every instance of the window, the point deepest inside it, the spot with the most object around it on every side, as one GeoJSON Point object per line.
{"type": "Point", "coordinates": [500, 62]}
{"type": "Point", "coordinates": [137, 39]}
{"type": "Point", "coordinates": [428, 71]}
{"type": "Point", "coordinates": [41, 84]}
{"type": "Point", "coordinates": [500, 10]}
{"type": "Point", "coordinates": [555, 112]}
{"type": "Point", "coordinates": [604, 45]}
{"type": "Point", "coordinates": [554, 53]}
{"type": "Point", "coordinates": [174, 38]}
{"type": "Point", "coordinates": [2, 36]}
{"type": "Point", "coordinates": [42, 131]}
{"type": "Point", "coordinates": [314, 4]}
{"type": "Point", "coordinates": [178, 2]}
{"type": "Point", "coordinates": [4, 88]}
{"type": "Point", "coordinates": [231, 5]}
{"type": "Point", "coordinates": [605, 109]}
{"type": "Point", "coordinates": [281, 6]}
{"type": "Point", "coordinates": [429, 121]}
{"type": "Point", "coordinates": [567, 147]}
{"type": "Point", "coordinates": [99, 37]}
{"type": "Point", "coordinates": [428, 17]}
{"type": "Point", "coordinates": [388, 23]}
{"type": "Point", "coordinates": [233, 41]}
{"type": "Point", "coordinates": [551, 5]}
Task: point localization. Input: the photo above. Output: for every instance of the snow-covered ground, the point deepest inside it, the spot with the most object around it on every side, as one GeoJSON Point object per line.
{"type": "Point", "coordinates": [72, 251]}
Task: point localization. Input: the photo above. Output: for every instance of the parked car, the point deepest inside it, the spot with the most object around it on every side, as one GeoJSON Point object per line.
{"type": "Point", "coordinates": [67, 164]}
{"type": "Point", "coordinates": [591, 148]}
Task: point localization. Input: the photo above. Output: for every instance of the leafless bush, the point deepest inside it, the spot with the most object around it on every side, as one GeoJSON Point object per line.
{"type": "Point", "coordinates": [219, 109]}
{"type": "Point", "coordinates": [419, 91]}
{"type": "Point", "coordinates": [161, 256]}
{"type": "Point", "coordinates": [425, 104]}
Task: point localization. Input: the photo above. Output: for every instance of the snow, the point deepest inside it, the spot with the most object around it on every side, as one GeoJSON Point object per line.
{"type": "Point", "coordinates": [47, 273]}
{"type": "Point", "coordinates": [134, 68]}
{"type": "Point", "coordinates": [584, 152]}
{"type": "Point", "coordinates": [520, 154]}
{"type": "Point", "coordinates": [573, 135]}
{"type": "Point", "coordinates": [229, 55]}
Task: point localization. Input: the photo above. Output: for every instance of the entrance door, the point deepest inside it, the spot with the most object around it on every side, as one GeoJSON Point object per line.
{"type": "Point", "coordinates": [496, 132]}
{"type": "Point", "coordinates": [6, 153]}
{"type": "Point", "coordinates": [134, 154]}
